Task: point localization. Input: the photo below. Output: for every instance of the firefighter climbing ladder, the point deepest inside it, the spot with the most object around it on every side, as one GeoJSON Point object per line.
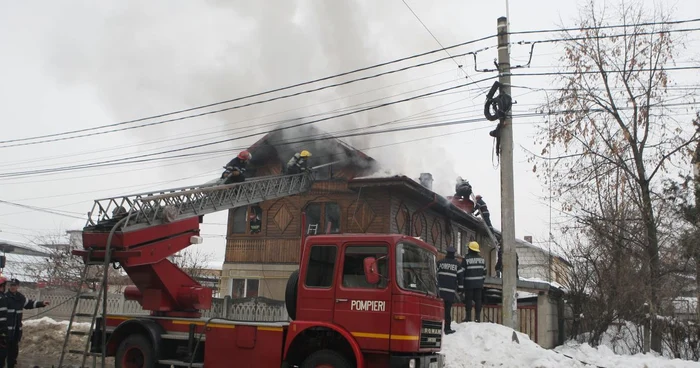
{"type": "Point", "coordinates": [488, 229]}
{"type": "Point", "coordinates": [155, 208]}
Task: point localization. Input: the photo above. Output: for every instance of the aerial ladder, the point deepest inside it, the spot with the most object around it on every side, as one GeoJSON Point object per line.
{"type": "Point", "coordinates": [141, 231]}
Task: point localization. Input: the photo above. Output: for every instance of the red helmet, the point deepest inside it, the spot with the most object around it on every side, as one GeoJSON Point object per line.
{"type": "Point", "coordinates": [245, 155]}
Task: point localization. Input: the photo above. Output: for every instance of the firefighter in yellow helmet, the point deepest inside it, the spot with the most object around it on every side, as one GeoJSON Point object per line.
{"type": "Point", "coordinates": [474, 275]}
{"type": "Point", "coordinates": [298, 163]}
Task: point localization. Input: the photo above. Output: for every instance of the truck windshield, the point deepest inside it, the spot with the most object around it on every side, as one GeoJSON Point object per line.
{"type": "Point", "coordinates": [416, 269]}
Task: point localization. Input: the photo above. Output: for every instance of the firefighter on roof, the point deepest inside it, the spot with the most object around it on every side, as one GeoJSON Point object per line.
{"type": "Point", "coordinates": [298, 163]}
{"type": "Point", "coordinates": [463, 188]}
{"type": "Point", "coordinates": [236, 168]}
{"type": "Point", "coordinates": [474, 275]}
{"type": "Point", "coordinates": [483, 210]}
{"type": "Point", "coordinates": [450, 276]}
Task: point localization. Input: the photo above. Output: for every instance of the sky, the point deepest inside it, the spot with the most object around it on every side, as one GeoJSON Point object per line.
{"type": "Point", "coordinates": [81, 64]}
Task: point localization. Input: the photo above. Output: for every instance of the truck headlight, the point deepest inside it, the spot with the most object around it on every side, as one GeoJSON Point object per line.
{"type": "Point", "coordinates": [412, 363]}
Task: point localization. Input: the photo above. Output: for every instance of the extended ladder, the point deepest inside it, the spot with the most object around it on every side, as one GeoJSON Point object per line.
{"type": "Point", "coordinates": [153, 208]}
{"type": "Point", "coordinates": [86, 278]}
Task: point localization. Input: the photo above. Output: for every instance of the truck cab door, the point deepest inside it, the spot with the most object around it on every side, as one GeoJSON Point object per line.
{"type": "Point", "coordinates": [360, 307]}
{"type": "Point", "coordinates": [316, 299]}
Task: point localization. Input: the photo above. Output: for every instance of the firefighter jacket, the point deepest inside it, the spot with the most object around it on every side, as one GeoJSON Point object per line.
{"type": "Point", "coordinates": [237, 164]}
{"type": "Point", "coordinates": [16, 303]}
{"type": "Point", "coordinates": [474, 271]}
{"type": "Point", "coordinates": [481, 206]}
{"type": "Point", "coordinates": [449, 274]}
{"type": "Point", "coordinates": [297, 164]}
{"type": "Point", "coordinates": [3, 319]}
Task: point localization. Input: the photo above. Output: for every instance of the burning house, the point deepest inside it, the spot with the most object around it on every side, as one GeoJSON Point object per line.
{"type": "Point", "coordinates": [348, 196]}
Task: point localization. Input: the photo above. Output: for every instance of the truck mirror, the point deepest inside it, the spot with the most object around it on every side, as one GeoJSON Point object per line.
{"type": "Point", "coordinates": [371, 273]}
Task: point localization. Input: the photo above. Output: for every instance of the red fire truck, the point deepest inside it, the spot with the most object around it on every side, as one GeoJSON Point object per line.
{"type": "Point", "coordinates": [357, 300]}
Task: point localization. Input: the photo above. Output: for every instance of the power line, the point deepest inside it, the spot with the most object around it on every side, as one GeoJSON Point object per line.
{"type": "Point", "coordinates": [271, 131]}
{"type": "Point", "coordinates": [256, 94]}
{"type": "Point", "coordinates": [235, 107]}
{"type": "Point", "coordinates": [603, 71]}
{"type": "Point", "coordinates": [41, 209]}
{"type": "Point", "coordinates": [607, 27]}
{"type": "Point", "coordinates": [598, 37]}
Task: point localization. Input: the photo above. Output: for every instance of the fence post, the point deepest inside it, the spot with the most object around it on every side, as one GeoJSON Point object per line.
{"type": "Point", "coordinates": [647, 328]}
{"type": "Point", "coordinates": [122, 302]}
{"type": "Point", "coordinates": [38, 299]}
{"type": "Point", "coordinates": [227, 306]}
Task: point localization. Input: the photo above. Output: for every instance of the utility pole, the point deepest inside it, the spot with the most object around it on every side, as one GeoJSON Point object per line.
{"type": "Point", "coordinates": [510, 307]}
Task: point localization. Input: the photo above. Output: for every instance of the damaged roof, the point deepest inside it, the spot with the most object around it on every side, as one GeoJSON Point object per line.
{"type": "Point", "coordinates": [281, 145]}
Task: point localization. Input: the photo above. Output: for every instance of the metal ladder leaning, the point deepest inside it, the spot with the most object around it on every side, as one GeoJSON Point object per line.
{"type": "Point", "coordinates": [86, 277]}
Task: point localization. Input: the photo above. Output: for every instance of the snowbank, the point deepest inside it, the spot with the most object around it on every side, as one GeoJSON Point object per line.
{"type": "Point", "coordinates": [42, 340]}
{"type": "Point", "coordinates": [491, 345]}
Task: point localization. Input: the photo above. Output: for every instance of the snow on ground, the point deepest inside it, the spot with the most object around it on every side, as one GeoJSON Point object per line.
{"type": "Point", "coordinates": [473, 345]}
{"type": "Point", "coordinates": [491, 345]}
{"type": "Point", "coordinates": [42, 340]}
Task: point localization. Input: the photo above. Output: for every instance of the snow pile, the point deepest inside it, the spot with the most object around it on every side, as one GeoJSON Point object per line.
{"type": "Point", "coordinates": [604, 357]}
{"type": "Point", "coordinates": [42, 340]}
{"type": "Point", "coordinates": [492, 345]}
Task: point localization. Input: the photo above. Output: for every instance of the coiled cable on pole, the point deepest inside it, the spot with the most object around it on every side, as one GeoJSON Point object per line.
{"type": "Point", "coordinates": [497, 108]}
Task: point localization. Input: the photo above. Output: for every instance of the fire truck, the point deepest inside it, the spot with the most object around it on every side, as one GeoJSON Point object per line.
{"type": "Point", "coordinates": [357, 300]}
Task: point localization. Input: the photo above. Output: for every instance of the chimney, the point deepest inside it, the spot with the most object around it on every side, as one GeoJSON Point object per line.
{"type": "Point", "coordinates": [528, 238]}
{"type": "Point", "coordinates": [426, 180]}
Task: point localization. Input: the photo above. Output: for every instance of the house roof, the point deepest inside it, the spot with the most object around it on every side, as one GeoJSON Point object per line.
{"type": "Point", "coordinates": [22, 258]}
{"type": "Point", "coordinates": [283, 144]}
{"type": "Point", "coordinates": [413, 189]}
{"type": "Point", "coordinates": [13, 247]}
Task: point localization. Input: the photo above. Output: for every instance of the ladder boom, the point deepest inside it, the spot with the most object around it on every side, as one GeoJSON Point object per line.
{"type": "Point", "coordinates": [154, 208]}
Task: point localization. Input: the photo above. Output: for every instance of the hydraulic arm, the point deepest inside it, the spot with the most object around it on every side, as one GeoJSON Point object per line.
{"type": "Point", "coordinates": [150, 227]}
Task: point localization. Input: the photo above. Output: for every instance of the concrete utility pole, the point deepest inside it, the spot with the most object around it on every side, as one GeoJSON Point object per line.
{"type": "Point", "coordinates": [510, 306]}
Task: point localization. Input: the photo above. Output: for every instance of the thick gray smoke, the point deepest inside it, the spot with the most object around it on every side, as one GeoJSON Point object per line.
{"type": "Point", "coordinates": [144, 58]}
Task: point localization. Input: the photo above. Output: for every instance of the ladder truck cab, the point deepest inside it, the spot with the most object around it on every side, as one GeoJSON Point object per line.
{"type": "Point", "coordinates": [357, 300]}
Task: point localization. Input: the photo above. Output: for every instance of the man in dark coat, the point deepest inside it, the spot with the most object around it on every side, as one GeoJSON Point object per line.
{"type": "Point", "coordinates": [449, 275]}
{"type": "Point", "coordinates": [3, 322]}
{"type": "Point", "coordinates": [236, 168]}
{"type": "Point", "coordinates": [483, 210]}
{"type": "Point", "coordinates": [474, 275]}
{"type": "Point", "coordinates": [16, 303]}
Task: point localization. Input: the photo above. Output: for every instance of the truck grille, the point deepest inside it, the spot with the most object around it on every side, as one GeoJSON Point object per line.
{"type": "Point", "coordinates": [430, 334]}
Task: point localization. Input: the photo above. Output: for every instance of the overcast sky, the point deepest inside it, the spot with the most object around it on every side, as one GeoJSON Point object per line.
{"type": "Point", "coordinates": [79, 64]}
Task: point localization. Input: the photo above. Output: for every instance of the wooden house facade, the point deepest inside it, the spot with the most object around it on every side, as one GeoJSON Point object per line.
{"type": "Point", "coordinates": [263, 240]}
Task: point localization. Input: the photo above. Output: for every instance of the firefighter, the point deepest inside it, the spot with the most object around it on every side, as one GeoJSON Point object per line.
{"type": "Point", "coordinates": [298, 163]}
{"type": "Point", "coordinates": [474, 275]}
{"type": "Point", "coordinates": [483, 210]}
{"type": "Point", "coordinates": [3, 322]}
{"type": "Point", "coordinates": [236, 168]}
{"type": "Point", "coordinates": [16, 303]}
{"type": "Point", "coordinates": [449, 275]}
{"type": "Point", "coordinates": [463, 188]}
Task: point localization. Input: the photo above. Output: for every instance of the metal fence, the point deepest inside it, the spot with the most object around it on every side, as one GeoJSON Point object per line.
{"type": "Point", "coordinates": [61, 306]}
{"type": "Point", "coordinates": [249, 309]}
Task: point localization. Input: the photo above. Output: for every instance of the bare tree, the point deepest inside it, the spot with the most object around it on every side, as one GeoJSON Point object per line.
{"type": "Point", "coordinates": [194, 261]}
{"type": "Point", "coordinates": [616, 130]}
{"type": "Point", "coordinates": [62, 269]}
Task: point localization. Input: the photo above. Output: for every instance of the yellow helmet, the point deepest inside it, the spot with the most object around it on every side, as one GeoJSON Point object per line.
{"type": "Point", "coordinates": [474, 246]}
{"type": "Point", "coordinates": [305, 154]}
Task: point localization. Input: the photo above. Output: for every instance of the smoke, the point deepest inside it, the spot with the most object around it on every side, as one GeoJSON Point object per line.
{"type": "Point", "coordinates": [147, 58]}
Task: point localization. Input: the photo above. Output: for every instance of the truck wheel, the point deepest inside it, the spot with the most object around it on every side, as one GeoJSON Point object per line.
{"type": "Point", "coordinates": [290, 294]}
{"type": "Point", "coordinates": [136, 351]}
{"type": "Point", "coordinates": [326, 359]}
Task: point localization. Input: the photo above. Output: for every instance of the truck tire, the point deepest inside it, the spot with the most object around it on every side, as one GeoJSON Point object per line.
{"type": "Point", "coordinates": [326, 359]}
{"type": "Point", "coordinates": [135, 351]}
{"type": "Point", "coordinates": [290, 294]}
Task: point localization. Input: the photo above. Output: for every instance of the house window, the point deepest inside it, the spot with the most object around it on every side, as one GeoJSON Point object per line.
{"type": "Point", "coordinates": [332, 217]}
{"type": "Point", "coordinates": [239, 220]}
{"type": "Point", "coordinates": [319, 273]}
{"type": "Point", "coordinates": [244, 288]}
{"type": "Point", "coordinates": [353, 266]}
{"type": "Point", "coordinates": [255, 219]}
{"type": "Point", "coordinates": [323, 218]}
